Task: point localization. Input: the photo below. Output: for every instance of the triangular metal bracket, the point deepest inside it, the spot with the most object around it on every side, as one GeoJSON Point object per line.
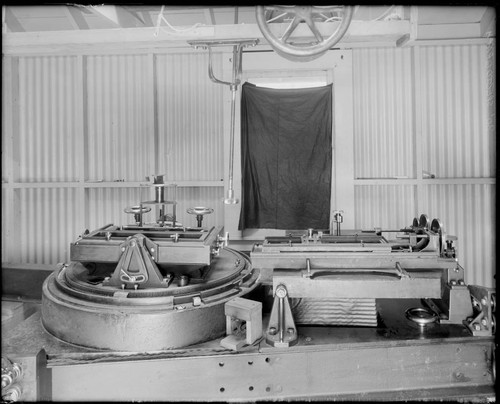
{"type": "Point", "coordinates": [281, 331]}
{"type": "Point", "coordinates": [136, 267]}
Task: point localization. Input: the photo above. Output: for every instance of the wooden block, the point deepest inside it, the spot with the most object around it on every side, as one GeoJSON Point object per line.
{"type": "Point", "coordinates": [232, 342]}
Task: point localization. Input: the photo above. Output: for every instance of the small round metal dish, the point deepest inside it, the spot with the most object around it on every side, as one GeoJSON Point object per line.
{"type": "Point", "coordinates": [199, 210]}
{"type": "Point", "coordinates": [137, 209]}
{"type": "Point", "coordinates": [421, 316]}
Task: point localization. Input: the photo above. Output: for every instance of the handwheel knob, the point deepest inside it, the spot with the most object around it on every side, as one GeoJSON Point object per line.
{"type": "Point", "coordinates": [199, 211]}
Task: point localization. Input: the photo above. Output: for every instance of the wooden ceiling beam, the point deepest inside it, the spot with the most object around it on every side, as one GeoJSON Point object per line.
{"type": "Point", "coordinates": [144, 38]}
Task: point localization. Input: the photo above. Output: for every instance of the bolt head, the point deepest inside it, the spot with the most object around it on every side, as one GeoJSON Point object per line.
{"type": "Point", "coordinates": [273, 330]}
{"type": "Point", "coordinates": [281, 291]}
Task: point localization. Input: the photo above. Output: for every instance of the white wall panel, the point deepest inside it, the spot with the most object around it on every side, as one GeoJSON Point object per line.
{"type": "Point", "coordinates": [452, 88]}
{"type": "Point", "coordinates": [106, 205]}
{"type": "Point", "coordinates": [210, 197]}
{"type": "Point", "coordinates": [46, 226]}
{"type": "Point", "coordinates": [386, 206]}
{"type": "Point", "coordinates": [467, 212]}
{"type": "Point", "coordinates": [190, 125]}
{"type": "Point", "coordinates": [50, 100]}
{"type": "Point", "coordinates": [382, 92]}
{"type": "Point", "coordinates": [120, 119]}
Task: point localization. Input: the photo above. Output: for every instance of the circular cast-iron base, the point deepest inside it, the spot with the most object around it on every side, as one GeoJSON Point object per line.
{"type": "Point", "coordinates": [146, 323]}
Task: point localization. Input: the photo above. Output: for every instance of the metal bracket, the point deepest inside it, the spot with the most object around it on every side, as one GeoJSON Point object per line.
{"type": "Point", "coordinates": [483, 321]}
{"type": "Point", "coordinates": [136, 266]}
{"type": "Point", "coordinates": [281, 332]}
{"type": "Point", "coordinates": [243, 323]}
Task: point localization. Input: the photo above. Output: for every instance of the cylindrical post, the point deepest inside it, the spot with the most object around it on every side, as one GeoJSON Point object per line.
{"type": "Point", "coordinates": [281, 318]}
{"type": "Point", "coordinates": [160, 194]}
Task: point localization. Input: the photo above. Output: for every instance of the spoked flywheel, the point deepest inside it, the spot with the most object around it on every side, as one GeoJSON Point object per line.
{"type": "Point", "coordinates": [303, 33]}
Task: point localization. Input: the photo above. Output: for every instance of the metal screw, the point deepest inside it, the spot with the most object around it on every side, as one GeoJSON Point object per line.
{"type": "Point", "coordinates": [290, 330]}
{"type": "Point", "coordinates": [483, 301]}
{"type": "Point", "coordinates": [281, 291]}
{"type": "Point", "coordinates": [273, 330]}
{"type": "Point", "coordinates": [476, 326]}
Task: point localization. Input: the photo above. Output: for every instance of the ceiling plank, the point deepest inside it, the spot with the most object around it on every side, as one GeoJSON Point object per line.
{"type": "Point", "coordinates": [76, 17]}
{"type": "Point", "coordinates": [118, 16]}
{"type": "Point", "coordinates": [129, 19]}
{"type": "Point", "coordinates": [209, 15]}
{"type": "Point", "coordinates": [108, 12]}
{"type": "Point", "coordinates": [148, 21]}
{"type": "Point", "coordinates": [488, 22]}
{"type": "Point", "coordinates": [12, 22]}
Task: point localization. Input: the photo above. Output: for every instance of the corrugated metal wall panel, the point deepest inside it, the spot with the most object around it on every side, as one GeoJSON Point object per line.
{"type": "Point", "coordinates": [386, 206]}
{"type": "Point", "coordinates": [106, 205]}
{"type": "Point", "coordinates": [190, 121]}
{"type": "Point", "coordinates": [120, 124]}
{"type": "Point", "coordinates": [50, 100]}
{"type": "Point", "coordinates": [382, 93]}
{"type": "Point", "coordinates": [453, 95]}
{"type": "Point", "coordinates": [7, 115]}
{"type": "Point", "coordinates": [47, 225]}
{"type": "Point", "coordinates": [467, 212]}
{"type": "Point", "coordinates": [5, 230]}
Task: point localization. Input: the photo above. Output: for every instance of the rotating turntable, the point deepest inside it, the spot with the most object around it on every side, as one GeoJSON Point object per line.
{"type": "Point", "coordinates": [145, 287]}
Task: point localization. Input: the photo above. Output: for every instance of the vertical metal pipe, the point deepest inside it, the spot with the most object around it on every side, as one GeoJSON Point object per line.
{"type": "Point", "coordinates": [234, 88]}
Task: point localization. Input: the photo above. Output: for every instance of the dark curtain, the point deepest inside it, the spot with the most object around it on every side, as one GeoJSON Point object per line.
{"type": "Point", "coordinates": [286, 149]}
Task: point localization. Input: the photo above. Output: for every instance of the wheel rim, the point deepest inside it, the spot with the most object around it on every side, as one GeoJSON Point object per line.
{"type": "Point", "coordinates": [310, 15]}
